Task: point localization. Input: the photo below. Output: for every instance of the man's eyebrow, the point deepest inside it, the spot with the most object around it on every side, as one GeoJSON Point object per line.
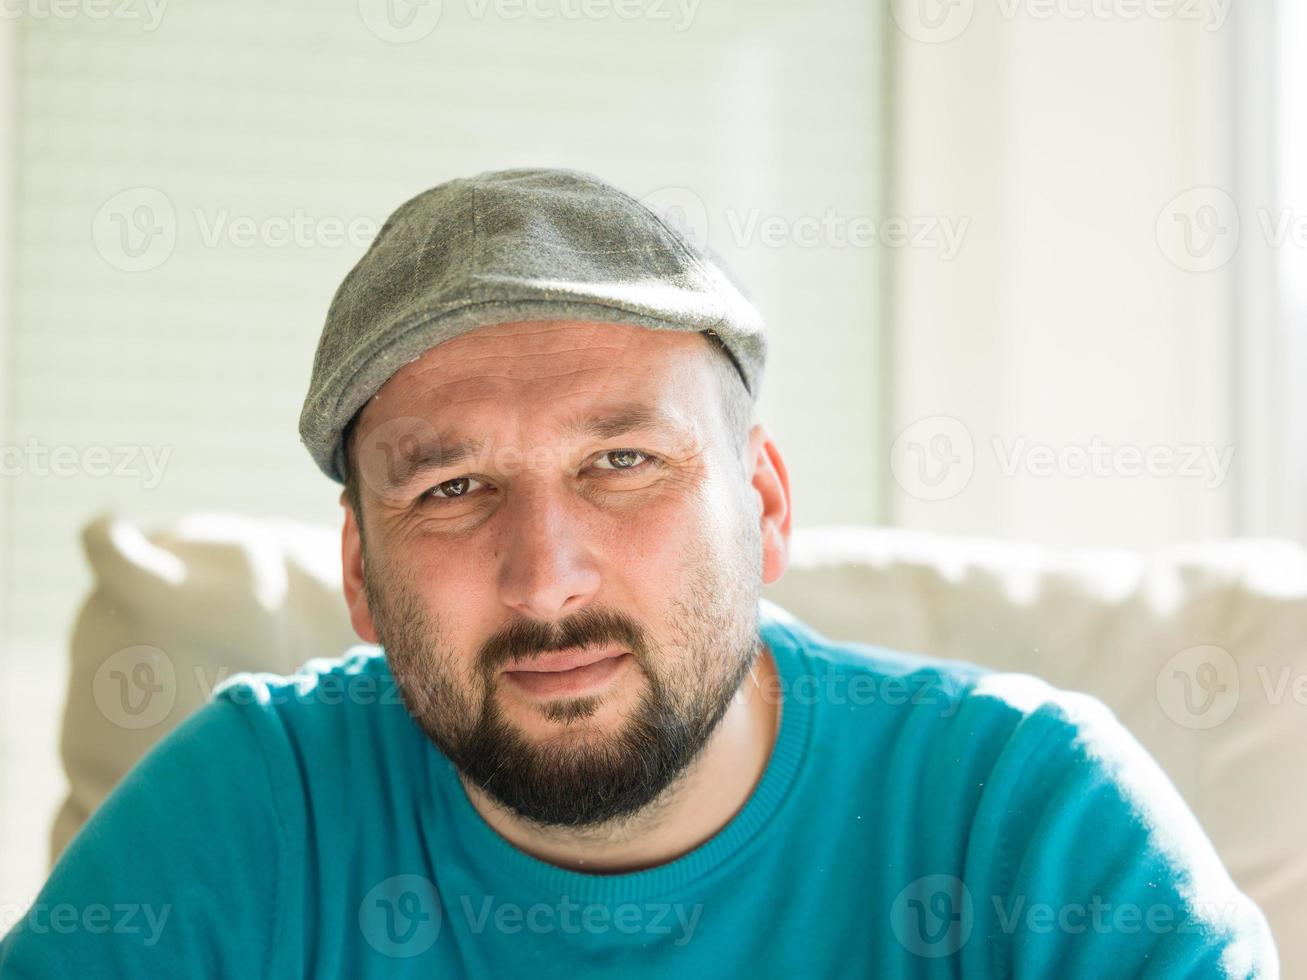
{"type": "Point", "coordinates": [410, 457]}
{"type": "Point", "coordinates": [404, 462]}
{"type": "Point", "coordinates": [625, 418]}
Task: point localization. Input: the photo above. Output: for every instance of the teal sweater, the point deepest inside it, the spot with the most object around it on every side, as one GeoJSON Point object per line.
{"type": "Point", "coordinates": [917, 818]}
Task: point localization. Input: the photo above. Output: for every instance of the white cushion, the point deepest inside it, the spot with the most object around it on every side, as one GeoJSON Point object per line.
{"type": "Point", "coordinates": [210, 596]}
{"type": "Point", "coordinates": [1199, 650]}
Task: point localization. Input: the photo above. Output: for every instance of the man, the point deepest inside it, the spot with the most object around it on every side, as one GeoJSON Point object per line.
{"type": "Point", "coordinates": [582, 744]}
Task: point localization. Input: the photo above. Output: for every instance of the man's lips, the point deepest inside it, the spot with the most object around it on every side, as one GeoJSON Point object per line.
{"type": "Point", "coordinates": [568, 673]}
{"type": "Point", "coordinates": [565, 660]}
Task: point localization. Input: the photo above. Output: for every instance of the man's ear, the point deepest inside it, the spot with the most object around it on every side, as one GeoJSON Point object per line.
{"type": "Point", "coordinates": [771, 482]}
{"type": "Point", "coordinates": [351, 557]}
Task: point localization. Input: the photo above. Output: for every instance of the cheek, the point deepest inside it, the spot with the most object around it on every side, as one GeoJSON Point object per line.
{"type": "Point", "coordinates": [654, 541]}
{"type": "Point", "coordinates": [452, 587]}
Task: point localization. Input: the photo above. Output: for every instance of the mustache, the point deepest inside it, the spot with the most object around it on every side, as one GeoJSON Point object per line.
{"type": "Point", "coordinates": [524, 639]}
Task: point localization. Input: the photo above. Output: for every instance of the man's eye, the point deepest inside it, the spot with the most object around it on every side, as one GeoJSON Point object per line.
{"type": "Point", "coordinates": [626, 459]}
{"type": "Point", "coordinates": [452, 489]}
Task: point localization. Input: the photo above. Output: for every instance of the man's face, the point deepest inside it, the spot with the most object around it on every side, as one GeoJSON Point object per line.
{"type": "Point", "coordinates": [598, 508]}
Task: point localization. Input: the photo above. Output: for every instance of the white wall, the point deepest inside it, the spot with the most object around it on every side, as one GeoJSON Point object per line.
{"type": "Point", "coordinates": [1064, 321]}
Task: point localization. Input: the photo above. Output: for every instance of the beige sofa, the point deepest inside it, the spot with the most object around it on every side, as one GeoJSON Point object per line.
{"type": "Point", "coordinates": [1200, 650]}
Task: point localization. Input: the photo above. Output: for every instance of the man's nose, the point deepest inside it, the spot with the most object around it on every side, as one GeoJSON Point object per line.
{"type": "Point", "coordinates": [547, 570]}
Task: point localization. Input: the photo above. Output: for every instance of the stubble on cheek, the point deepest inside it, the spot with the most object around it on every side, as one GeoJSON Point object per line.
{"type": "Point", "coordinates": [434, 689]}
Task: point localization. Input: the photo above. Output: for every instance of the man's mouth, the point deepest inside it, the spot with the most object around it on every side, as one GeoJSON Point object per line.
{"type": "Point", "coordinates": [568, 673]}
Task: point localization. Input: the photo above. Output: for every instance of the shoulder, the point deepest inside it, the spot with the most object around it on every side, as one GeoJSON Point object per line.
{"type": "Point", "coordinates": [1034, 802]}
{"type": "Point", "coordinates": [341, 705]}
{"type": "Point", "coordinates": [968, 726]}
{"type": "Point", "coordinates": [897, 688]}
{"type": "Point", "coordinates": [328, 728]}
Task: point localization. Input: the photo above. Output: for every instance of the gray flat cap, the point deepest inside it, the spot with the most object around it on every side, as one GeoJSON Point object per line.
{"type": "Point", "coordinates": [504, 246]}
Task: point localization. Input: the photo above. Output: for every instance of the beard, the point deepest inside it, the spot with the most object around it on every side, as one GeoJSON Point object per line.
{"type": "Point", "coordinates": [580, 779]}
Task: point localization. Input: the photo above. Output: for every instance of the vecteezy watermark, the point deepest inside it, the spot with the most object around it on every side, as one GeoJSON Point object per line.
{"type": "Point", "coordinates": [329, 689]}
{"type": "Point", "coordinates": [97, 918]}
{"type": "Point", "coordinates": [135, 687]}
{"type": "Point", "coordinates": [407, 21]}
{"type": "Point", "coordinates": [934, 458]}
{"type": "Point", "coordinates": [1198, 688]}
{"type": "Point", "coordinates": [1211, 464]}
{"type": "Point", "coordinates": [1198, 229]}
{"type": "Point", "coordinates": [940, 692]}
{"type": "Point", "coordinates": [403, 916]}
{"type": "Point", "coordinates": [679, 14]}
{"type": "Point", "coordinates": [1285, 684]}
{"type": "Point", "coordinates": [935, 233]}
{"type": "Point", "coordinates": [148, 12]}
{"type": "Point", "coordinates": [400, 21]}
{"type": "Point", "coordinates": [932, 21]}
{"type": "Point", "coordinates": [1103, 917]}
{"type": "Point", "coordinates": [1211, 14]}
{"type": "Point", "coordinates": [933, 916]}
{"type": "Point", "coordinates": [940, 21]}
{"type": "Point", "coordinates": [36, 459]}
{"type": "Point", "coordinates": [687, 213]}
{"type": "Point", "coordinates": [137, 229]}
{"type": "Point", "coordinates": [489, 914]}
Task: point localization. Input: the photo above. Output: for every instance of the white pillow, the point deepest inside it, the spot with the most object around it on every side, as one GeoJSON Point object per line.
{"type": "Point", "coordinates": [173, 614]}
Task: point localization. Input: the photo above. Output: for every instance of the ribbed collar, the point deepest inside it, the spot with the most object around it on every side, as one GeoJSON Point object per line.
{"type": "Point", "coordinates": [497, 857]}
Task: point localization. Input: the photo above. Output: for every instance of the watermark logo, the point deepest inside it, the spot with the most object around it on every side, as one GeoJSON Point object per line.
{"type": "Point", "coordinates": [135, 687]}
{"type": "Point", "coordinates": [932, 21]}
{"type": "Point", "coordinates": [136, 229]}
{"type": "Point", "coordinates": [400, 21]}
{"type": "Point", "coordinates": [933, 458]}
{"type": "Point", "coordinates": [933, 916]}
{"type": "Point", "coordinates": [389, 455]}
{"type": "Point", "coordinates": [682, 210]}
{"type": "Point", "coordinates": [400, 917]}
{"type": "Point", "coordinates": [1198, 688]}
{"type": "Point", "coordinates": [1198, 229]}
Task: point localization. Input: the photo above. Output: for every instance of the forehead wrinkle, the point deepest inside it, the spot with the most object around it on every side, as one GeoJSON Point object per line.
{"type": "Point", "coordinates": [605, 422]}
{"type": "Point", "coordinates": [588, 348]}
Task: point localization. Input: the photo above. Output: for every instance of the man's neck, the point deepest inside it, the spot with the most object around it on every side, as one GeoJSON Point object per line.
{"type": "Point", "coordinates": [712, 790]}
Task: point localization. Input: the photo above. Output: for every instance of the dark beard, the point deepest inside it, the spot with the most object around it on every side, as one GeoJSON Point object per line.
{"type": "Point", "coordinates": [581, 782]}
